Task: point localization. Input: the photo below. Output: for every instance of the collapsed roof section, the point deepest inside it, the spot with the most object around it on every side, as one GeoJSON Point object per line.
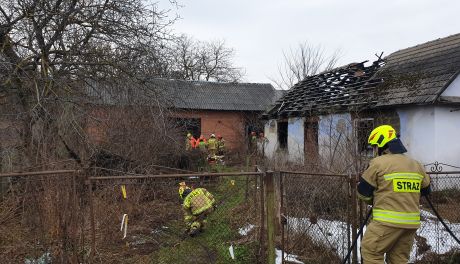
{"type": "Point", "coordinates": [338, 90]}
{"type": "Point", "coordinates": [413, 76]}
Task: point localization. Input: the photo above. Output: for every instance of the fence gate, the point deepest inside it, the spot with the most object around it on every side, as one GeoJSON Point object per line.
{"type": "Point", "coordinates": [316, 218]}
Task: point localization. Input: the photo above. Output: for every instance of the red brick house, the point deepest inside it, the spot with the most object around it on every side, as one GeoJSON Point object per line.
{"type": "Point", "coordinates": [201, 108]}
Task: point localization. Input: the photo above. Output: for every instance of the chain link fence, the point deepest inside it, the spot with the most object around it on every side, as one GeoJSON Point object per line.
{"type": "Point", "coordinates": [320, 219]}
{"type": "Point", "coordinates": [316, 217]}
{"type": "Point", "coordinates": [433, 244]}
{"type": "Point", "coordinates": [43, 217]}
{"type": "Point", "coordinates": [70, 217]}
{"type": "Point", "coordinates": [156, 229]}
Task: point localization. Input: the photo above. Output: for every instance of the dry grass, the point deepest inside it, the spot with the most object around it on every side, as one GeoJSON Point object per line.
{"type": "Point", "coordinates": [310, 252]}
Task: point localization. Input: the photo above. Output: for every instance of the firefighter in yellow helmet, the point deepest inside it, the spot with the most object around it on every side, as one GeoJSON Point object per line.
{"type": "Point", "coordinates": [212, 145]}
{"type": "Point", "coordinates": [197, 204]}
{"type": "Point", "coordinates": [190, 142]}
{"type": "Point", "coordinates": [393, 183]}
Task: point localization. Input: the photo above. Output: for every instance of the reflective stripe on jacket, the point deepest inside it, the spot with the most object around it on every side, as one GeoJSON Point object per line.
{"type": "Point", "coordinates": [397, 180]}
{"type": "Point", "coordinates": [198, 201]}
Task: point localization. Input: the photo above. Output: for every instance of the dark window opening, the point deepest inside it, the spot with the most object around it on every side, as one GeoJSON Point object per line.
{"type": "Point", "coordinates": [363, 127]}
{"type": "Point", "coordinates": [189, 125]}
{"type": "Point", "coordinates": [282, 134]}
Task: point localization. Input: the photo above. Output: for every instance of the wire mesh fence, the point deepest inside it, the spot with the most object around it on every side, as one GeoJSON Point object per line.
{"type": "Point", "coordinates": [79, 218]}
{"type": "Point", "coordinates": [433, 243]}
{"type": "Point", "coordinates": [73, 217]}
{"type": "Point", "coordinates": [156, 230]}
{"type": "Point", "coordinates": [43, 216]}
{"type": "Point", "coordinates": [316, 212]}
{"type": "Point", "coordinates": [321, 221]}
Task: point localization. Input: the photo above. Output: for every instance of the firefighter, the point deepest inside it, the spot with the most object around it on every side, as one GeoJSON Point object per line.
{"type": "Point", "coordinates": [190, 142]}
{"type": "Point", "coordinates": [220, 145]}
{"type": "Point", "coordinates": [393, 184]}
{"type": "Point", "coordinates": [202, 143]}
{"type": "Point", "coordinates": [212, 145]}
{"type": "Point", "coordinates": [197, 204]}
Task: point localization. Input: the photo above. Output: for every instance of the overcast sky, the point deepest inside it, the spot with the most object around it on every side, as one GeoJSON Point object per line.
{"type": "Point", "coordinates": [259, 30]}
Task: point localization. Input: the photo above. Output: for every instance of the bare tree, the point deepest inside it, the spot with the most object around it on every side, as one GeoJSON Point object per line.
{"type": "Point", "coordinates": [202, 60]}
{"type": "Point", "coordinates": [51, 50]}
{"type": "Point", "coordinates": [301, 62]}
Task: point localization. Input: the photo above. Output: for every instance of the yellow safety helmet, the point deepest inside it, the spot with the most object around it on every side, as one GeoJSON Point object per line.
{"type": "Point", "coordinates": [381, 135]}
{"type": "Point", "coordinates": [189, 135]}
{"type": "Point", "coordinates": [182, 188]}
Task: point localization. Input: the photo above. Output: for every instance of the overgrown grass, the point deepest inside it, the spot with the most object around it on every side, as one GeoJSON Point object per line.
{"type": "Point", "coordinates": [212, 246]}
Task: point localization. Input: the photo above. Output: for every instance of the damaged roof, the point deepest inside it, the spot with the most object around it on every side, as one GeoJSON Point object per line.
{"type": "Point", "coordinates": [416, 75]}
{"type": "Point", "coordinates": [337, 90]}
{"type": "Point", "coordinates": [191, 95]}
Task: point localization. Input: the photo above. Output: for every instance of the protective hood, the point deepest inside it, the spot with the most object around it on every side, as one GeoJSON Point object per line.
{"type": "Point", "coordinates": [396, 146]}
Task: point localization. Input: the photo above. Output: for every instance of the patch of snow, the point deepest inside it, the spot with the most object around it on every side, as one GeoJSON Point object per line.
{"type": "Point", "coordinates": [333, 234]}
{"type": "Point", "coordinates": [44, 259]}
{"type": "Point", "coordinates": [287, 257]}
{"type": "Point", "coordinates": [436, 235]}
{"type": "Point", "coordinates": [245, 229]}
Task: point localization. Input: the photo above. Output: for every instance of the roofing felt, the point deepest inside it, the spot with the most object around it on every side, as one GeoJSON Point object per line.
{"type": "Point", "coordinates": [193, 95]}
{"type": "Point", "coordinates": [416, 75]}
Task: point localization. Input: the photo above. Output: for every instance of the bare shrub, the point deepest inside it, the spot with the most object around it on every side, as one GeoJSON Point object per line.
{"type": "Point", "coordinates": [45, 215]}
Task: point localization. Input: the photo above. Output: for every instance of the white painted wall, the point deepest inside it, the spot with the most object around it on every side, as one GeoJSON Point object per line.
{"type": "Point", "coordinates": [447, 136]}
{"type": "Point", "coordinates": [296, 140]}
{"type": "Point", "coordinates": [330, 135]}
{"type": "Point", "coordinates": [453, 89]}
{"type": "Point", "coordinates": [430, 133]}
{"type": "Point", "coordinates": [271, 133]}
{"type": "Point", "coordinates": [417, 132]}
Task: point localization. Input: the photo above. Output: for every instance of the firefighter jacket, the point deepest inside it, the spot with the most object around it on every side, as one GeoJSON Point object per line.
{"type": "Point", "coordinates": [197, 202]}
{"type": "Point", "coordinates": [212, 144]}
{"type": "Point", "coordinates": [202, 144]}
{"type": "Point", "coordinates": [221, 145]}
{"type": "Point", "coordinates": [190, 143]}
{"type": "Point", "coordinates": [394, 182]}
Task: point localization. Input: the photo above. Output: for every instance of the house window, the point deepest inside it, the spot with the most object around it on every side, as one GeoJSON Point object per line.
{"type": "Point", "coordinates": [282, 134]}
{"type": "Point", "coordinates": [189, 125]}
{"type": "Point", "coordinates": [311, 139]}
{"type": "Point", "coordinates": [363, 127]}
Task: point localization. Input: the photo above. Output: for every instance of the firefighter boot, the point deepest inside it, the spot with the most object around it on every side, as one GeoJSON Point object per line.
{"type": "Point", "coordinates": [194, 229]}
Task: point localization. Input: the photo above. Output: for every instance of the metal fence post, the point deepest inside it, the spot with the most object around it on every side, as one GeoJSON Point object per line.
{"type": "Point", "coordinates": [282, 215]}
{"type": "Point", "coordinates": [93, 222]}
{"type": "Point", "coordinates": [270, 207]}
{"type": "Point", "coordinates": [262, 218]}
{"type": "Point", "coordinates": [354, 216]}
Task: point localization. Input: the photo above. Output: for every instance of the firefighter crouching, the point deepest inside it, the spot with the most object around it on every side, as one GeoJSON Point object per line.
{"type": "Point", "coordinates": [393, 183]}
{"type": "Point", "coordinates": [197, 204]}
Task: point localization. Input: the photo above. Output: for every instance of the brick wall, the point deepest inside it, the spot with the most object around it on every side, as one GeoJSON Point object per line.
{"type": "Point", "coordinates": [230, 125]}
